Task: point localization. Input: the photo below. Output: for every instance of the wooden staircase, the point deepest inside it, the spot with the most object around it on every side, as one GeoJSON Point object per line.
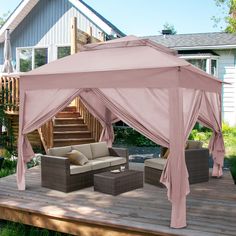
{"type": "Point", "coordinates": [69, 128]}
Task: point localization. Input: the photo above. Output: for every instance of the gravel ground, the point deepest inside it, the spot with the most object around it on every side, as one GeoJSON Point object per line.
{"type": "Point", "coordinates": [140, 154]}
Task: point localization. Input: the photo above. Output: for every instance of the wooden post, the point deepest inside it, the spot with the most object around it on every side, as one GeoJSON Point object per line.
{"type": "Point", "coordinates": [90, 33]}
{"type": "Point", "coordinates": [17, 95]}
{"type": "Point", "coordinates": [74, 48]}
{"type": "Point", "coordinates": [9, 94]}
{"type": "Point", "coordinates": [102, 37]}
{"type": "Point", "coordinates": [51, 134]}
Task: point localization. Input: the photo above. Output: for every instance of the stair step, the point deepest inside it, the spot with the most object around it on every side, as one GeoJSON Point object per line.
{"type": "Point", "coordinates": [78, 120]}
{"type": "Point", "coordinates": [67, 142]}
{"type": "Point", "coordinates": [70, 127]}
{"type": "Point", "coordinates": [66, 114]}
{"type": "Point", "coordinates": [70, 109]}
{"type": "Point", "coordinates": [71, 134]}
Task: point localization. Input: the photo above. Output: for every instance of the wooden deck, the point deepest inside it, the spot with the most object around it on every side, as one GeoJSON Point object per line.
{"type": "Point", "coordinates": [211, 209]}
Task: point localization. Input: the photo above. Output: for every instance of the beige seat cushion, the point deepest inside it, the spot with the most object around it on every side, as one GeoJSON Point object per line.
{"type": "Point", "coordinates": [85, 149]}
{"type": "Point", "coordinates": [156, 163]}
{"type": "Point", "coordinates": [77, 158]}
{"type": "Point", "coordinates": [114, 160]}
{"type": "Point", "coordinates": [192, 144]}
{"type": "Point", "coordinates": [99, 164]}
{"type": "Point", "coordinates": [99, 149]}
{"type": "Point", "coordinates": [59, 151]}
{"type": "Point", "coordinates": [75, 169]}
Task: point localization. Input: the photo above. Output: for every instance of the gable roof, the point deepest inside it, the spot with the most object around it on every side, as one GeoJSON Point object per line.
{"type": "Point", "coordinates": [113, 27]}
{"type": "Point", "coordinates": [21, 11]}
{"type": "Point", "coordinates": [25, 6]}
{"type": "Point", "coordinates": [218, 40]}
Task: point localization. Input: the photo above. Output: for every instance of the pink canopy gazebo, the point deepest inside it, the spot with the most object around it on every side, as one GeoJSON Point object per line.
{"type": "Point", "coordinates": [137, 81]}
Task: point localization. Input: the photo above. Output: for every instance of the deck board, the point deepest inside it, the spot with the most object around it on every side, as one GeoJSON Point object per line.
{"type": "Point", "coordinates": [211, 208]}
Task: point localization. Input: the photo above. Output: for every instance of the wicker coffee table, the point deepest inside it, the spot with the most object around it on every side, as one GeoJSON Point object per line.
{"type": "Point", "coordinates": [117, 183]}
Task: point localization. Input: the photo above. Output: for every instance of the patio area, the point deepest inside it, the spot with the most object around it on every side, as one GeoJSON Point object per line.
{"type": "Point", "coordinates": [146, 211]}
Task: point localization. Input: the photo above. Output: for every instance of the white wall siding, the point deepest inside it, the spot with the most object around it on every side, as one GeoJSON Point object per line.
{"type": "Point", "coordinates": [227, 73]}
{"type": "Point", "coordinates": [1, 53]}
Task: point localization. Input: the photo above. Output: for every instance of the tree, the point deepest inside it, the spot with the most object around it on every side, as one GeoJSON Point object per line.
{"type": "Point", "coordinates": [171, 27]}
{"type": "Point", "coordinates": [229, 9]}
{"type": "Point", "coordinates": [3, 18]}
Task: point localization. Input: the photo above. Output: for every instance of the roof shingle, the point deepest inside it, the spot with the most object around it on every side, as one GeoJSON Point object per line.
{"type": "Point", "coordinates": [194, 40]}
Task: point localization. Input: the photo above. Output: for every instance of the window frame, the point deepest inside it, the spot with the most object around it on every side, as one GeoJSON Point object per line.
{"type": "Point", "coordinates": [208, 58]}
{"type": "Point", "coordinates": [61, 46]}
{"type": "Point", "coordinates": [18, 49]}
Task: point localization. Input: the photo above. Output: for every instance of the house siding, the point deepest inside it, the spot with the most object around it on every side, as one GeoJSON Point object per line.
{"type": "Point", "coordinates": [227, 73]}
{"type": "Point", "coordinates": [1, 53]}
{"type": "Point", "coordinates": [48, 25]}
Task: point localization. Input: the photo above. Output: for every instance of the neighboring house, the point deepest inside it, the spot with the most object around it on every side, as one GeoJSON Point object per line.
{"type": "Point", "coordinates": [214, 53]}
{"type": "Point", "coordinates": [41, 30]}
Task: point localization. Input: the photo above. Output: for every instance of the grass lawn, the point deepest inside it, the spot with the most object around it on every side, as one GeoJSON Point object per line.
{"type": "Point", "coordinates": [14, 229]}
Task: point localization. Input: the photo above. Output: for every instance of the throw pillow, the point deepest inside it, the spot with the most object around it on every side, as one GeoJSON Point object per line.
{"type": "Point", "coordinates": [166, 154]}
{"type": "Point", "coordinates": [77, 158]}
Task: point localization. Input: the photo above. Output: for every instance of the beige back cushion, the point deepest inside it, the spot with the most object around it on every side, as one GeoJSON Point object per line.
{"type": "Point", "coordinates": [59, 151]}
{"type": "Point", "coordinates": [85, 149]}
{"type": "Point", "coordinates": [77, 158]}
{"type": "Point", "coordinates": [192, 144]}
{"type": "Point", "coordinates": [99, 149]}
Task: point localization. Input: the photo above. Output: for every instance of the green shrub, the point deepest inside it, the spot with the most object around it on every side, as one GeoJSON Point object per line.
{"type": "Point", "coordinates": [232, 163]}
{"type": "Point", "coordinates": [16, 229]}
{"type": "Point", "coordinates": [204, 134]}
{"type": "Point", "coordinates": [229, 134]}
{"type": "Point", "coordinates": [8, 168]}
{"type": "Point", "coordinates": [129, 136]}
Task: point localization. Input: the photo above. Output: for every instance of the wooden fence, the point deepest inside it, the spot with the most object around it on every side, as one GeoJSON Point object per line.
{"type": "Point", "coordinates": [46, 135]}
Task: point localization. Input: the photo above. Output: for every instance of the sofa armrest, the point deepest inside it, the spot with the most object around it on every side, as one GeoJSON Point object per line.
{"type": "Point", "coordinates": [55, 164]}
{"type": "Point", "coordinates": [120, 152]}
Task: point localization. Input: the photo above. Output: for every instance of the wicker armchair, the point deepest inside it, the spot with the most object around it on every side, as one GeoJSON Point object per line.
{"type": "Point", "coordinates": [197, 162]}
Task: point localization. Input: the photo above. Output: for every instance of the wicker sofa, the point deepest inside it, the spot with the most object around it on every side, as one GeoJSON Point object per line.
{"type": "Point", "coordinates": [197, 162]}
{"type": "Point", "coordinates": [57, 172]}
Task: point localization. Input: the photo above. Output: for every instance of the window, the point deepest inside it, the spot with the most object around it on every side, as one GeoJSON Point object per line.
{"type": "Point", "coordinates": [31, 58]}
{"type": "Point", "coordinates": [206, 63]}
{"type": "Point", "coordinates": [63, 52]}
{"type": "Point", "coordinates": [214, 67]}
{"type": "Point", "coordinates": [25, 60]}
{"type": "Point", "coordinates": [40, 57]}
{"type": "Point", "coordinates": [200, 63]}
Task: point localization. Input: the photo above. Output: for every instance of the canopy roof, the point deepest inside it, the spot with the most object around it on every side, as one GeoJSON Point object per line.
{"type": "Point", "coordinates": [137, 81]}
{"type": "Point", "coordinates": [126, 62]}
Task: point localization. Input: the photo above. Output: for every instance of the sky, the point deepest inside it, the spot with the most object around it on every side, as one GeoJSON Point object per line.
{"type": "Point", "coordinates": [147, 17]}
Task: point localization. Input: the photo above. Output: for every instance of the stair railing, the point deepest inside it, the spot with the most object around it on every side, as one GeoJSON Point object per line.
{"type": "Point", "coordinates": [9, 88]}
{"type": "Point", "coordinates": [93, 124]}
{"type": "Point", "coordinates": [46, 135]}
